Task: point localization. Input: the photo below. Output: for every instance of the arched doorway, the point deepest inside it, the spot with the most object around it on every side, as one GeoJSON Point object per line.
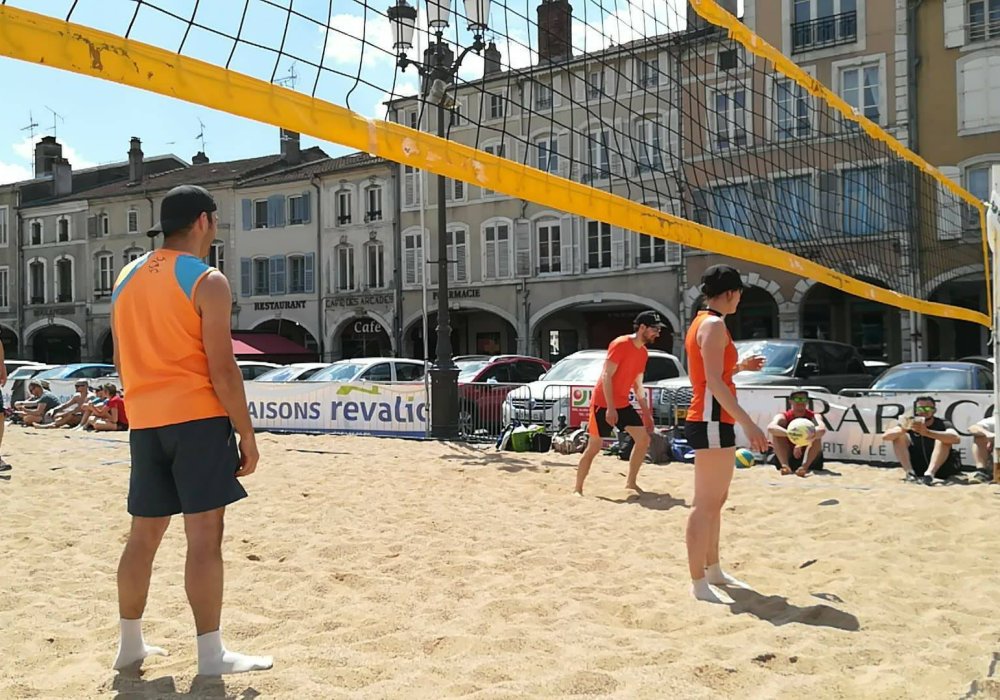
{"type": "Point", "coordinates": [287, 328]}
{"type": "Point", "coordinates": [108, 348]}
{"type": "Point", "coordinates": [949, 339]}
{"type": "Point", "coordinates": [873, 328]}
{"type": "Point", "coordinates": [593, 324]}
{"type": "Point", "coordinates": [755, 317]}
{"type": "Point", "coordinates": [473, 332]}
{"type": "Point", "coordinates": [56, 345]}
{"type": "Point", "coordinates": [9, 340]}
{"type": "Point", "coordinates": [364, 337]}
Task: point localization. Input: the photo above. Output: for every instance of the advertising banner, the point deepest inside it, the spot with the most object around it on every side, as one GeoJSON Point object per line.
{"type": "Point", "coordinates": [579, 403]}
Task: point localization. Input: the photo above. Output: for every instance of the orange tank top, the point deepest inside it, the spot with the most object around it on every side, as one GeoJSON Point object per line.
{"type": "Point", "coordinates": [158, 335]}
{"type": "Point", "coordinates": [704, 406]}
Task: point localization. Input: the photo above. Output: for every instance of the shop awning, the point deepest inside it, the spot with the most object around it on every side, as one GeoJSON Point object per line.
{"type": "Point", "coordinates": [265, 344]}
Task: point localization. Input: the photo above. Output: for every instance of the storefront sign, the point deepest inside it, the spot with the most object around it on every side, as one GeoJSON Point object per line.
{"type": "Point", "coordinates": [461, 293]}
{"type": "Point", "coordinates": [579, 403]}
{"type": "Point", "coordinates": [345, 300]}
{"type": "Point", "coordinates": [368, 328]}
{"type": "Point", "coordinates": [278, 305]}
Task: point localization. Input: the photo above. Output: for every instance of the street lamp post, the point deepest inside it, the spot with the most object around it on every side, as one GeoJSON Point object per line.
{"type": "Point", "coordinates": [438, 72]}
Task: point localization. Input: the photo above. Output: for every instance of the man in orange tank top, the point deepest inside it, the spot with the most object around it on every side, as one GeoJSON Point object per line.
{"type": "Point", "coordinates": [170, 316]}
{"type": "Point", "coordinates": [609, 405]}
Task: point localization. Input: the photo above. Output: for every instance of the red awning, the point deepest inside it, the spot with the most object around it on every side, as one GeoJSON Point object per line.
{"type": "Point", "coordinates": [265, 344]}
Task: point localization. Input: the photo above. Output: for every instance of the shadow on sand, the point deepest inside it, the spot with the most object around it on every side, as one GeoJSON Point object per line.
{"type": "Point", "coordinates": [130, 685]}
{"type": "Point", "coordinates": [778, 611]}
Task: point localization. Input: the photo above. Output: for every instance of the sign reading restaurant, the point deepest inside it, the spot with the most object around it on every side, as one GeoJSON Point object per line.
{"type": "Point", "coordinates": [278, 305]}
{"type": "Point", "coordinates": [359, 300]}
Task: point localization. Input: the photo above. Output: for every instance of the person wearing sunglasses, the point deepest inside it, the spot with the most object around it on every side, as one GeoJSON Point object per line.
{"type": "Point", "coordinates": [925, 450]}
{"type": "Point", "coordinates": [788, 457]}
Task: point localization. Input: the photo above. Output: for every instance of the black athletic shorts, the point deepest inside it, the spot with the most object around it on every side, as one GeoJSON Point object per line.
{"type": "Point", "coordinates": [627, 415]}
{"type": "Point", "coordinates": [920, 460]}
{"type": "Point", "coordinates": [794, 463]}
{"type": "Point", "coordinates": [184, 468]}
{"type": "Point", "coordinates": [701, 435]}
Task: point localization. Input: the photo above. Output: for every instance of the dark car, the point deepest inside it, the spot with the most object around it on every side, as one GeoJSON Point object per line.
{"type": "Point", "coordinates": [484, 382]}
{"type": "Point", "coordinates": [935, 376]}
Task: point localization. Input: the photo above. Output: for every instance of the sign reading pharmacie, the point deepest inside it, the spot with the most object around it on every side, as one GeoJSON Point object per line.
{"type": "Point", "coordinates": [855, 423]}
{"type": "Point", "coordinates": [399, 410]}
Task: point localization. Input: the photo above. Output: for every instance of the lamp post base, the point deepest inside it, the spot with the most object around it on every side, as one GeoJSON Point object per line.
{"type": "Point", "coordinates": [444, 403]}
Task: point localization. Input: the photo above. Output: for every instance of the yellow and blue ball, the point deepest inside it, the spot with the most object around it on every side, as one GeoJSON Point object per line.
{"type": "Point", "coordinates": [744, 458]}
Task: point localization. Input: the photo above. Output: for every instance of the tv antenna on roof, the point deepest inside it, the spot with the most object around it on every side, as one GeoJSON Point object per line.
{"type": "Point", "coordinates": [289, 79]}
{"type": "Point", "coordinates": [32, 125]}
{"type": "Point", "coordinates": [201, 135]}
{"type": "Point", "coordinates": [56, 117]}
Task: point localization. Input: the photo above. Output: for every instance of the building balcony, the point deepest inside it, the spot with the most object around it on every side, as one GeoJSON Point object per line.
{"type": "Point", "coordinates": [824, 32]}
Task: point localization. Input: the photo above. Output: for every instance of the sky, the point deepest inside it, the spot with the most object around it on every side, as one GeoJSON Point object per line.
{"type": "Point", "coordinates": [94, 118]}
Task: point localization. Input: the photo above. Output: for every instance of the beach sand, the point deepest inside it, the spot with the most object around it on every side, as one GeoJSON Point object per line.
{"type": "Point", "coordinates": [382, 568]}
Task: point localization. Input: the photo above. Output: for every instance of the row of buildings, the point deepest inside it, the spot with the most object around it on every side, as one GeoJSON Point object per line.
{"type": "Point", "coordinates": [330, 252]}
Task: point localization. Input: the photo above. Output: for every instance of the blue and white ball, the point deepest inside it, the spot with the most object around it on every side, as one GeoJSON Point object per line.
{"type": "Point", "coordinates": [744, 458]}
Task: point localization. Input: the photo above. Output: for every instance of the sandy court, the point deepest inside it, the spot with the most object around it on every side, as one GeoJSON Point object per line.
{"type": "Point", "coordinates": [394, 569]}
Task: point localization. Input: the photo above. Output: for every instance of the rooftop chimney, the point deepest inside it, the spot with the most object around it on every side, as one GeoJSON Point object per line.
{"type": "Point", "coordinates": [62, 177]}
{"type": "Point", "coordinates": [199, 158]}
{"type": "Point", "coordinates": [491, 60]}
{"type": "Point", "coordinates": [135, 160]}
{"type": "Point", "coordinates": [555, 31]}
{"type": "Point", "coordinates": [47, 151]}
{"type": "Point", "coordinates": [290, 149]}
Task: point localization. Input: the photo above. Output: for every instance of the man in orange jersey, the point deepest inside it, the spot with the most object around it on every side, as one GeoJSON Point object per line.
{"type": "Point", "coordinates": [609, 405]}
{"type": "Point", "coordinates": [170, 316]}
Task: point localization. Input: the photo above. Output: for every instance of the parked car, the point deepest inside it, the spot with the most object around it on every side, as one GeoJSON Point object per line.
{"type": "Point", "coordinates": [797, 362]}
{"type": "Point", "coordinates": [545, 400]}
{"type": "Point", "coordinates": [14, 389]}
{"type": "Point", "coordinates": [372, 369]}
{"type": "Point", "coordinates": [983, 360]}
{"type": "Point", "coordinates": [298, 372]}
{"type": "Point", "coordinates": [484, 382]}
{"type": "Point", "coordinates": [79, 370]}
{"type": "Point", "coordinates": [251, 369]}
{"type": "Point", "coordinates": [876, 367]}
{"type": "Point", "coordinates": [11, 365]}
{"type": "Point", "coordinates": [935, 376]}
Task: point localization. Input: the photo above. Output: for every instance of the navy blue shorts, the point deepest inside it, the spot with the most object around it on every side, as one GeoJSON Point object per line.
{"type": "Point", "coordinates": [184, 468]}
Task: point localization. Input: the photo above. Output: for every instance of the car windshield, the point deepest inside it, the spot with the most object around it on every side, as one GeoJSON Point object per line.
{"type": "Point", "coordinates": [925, 379]}
{"type": "Point", "coordinates": [56, 373]}
{"type": "Point", "coordinates": [779, 358]}
{"type": "Point", "coordinates": [576, 369]}
{"type": "Point", "coordinates": [279, 374]}
{"type": "Point", "coordinates": [467, 369]}
{"type": "Point", "coordinates": [338, 372]}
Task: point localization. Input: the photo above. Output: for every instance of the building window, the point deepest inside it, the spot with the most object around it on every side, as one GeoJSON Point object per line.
{"type": "Point", "coordinates": [455, 190]}
{"type": "Point", "coordinates": [4, 288]}
{"type": "Point", "coordinates": [343, 207]}
{"type": "Point", "coordinates": [497, 106]}
{"type": "Point", "coordinates": [729, 119]}
{"type": "Point", "coordinates": [36, 281]}
{"type": "Point", "coordinates": [652, 250]}
{"type": "Point", "coordinates": [345, 268]}
{"type": "Point", "coordinates": [647, 131]}
{"type": "Point", "coordinates": [62, 230]}
{"type": "Point", "coordinates": [548, 154]}
{"type": "Point", "coordinates": [413, 257]}
{"type": "Point", "coordinates": [297, 213]}
{"type": "Point", "coordinates": [598, 245]}
{"type": "Point", "coordinates": [36, 233]}
{"type": "Point", "coordinates": [373, 203]}
{"type": "Point", "coordinates": [456, 115]}
{"type": "Point", "coordinates": [979, 86]}
{"type": "Point", "coordinates": [598, 156]}
{"type": "Point", "coordinates": [296, 274]}
{"type": "Point", "coordinates": [860, 88]}
{"type": "Point", "coordinates": [64, 279]}
{"type": "Point", "coordinates": [794, 199]}
{"type": "Point", "coordinates": [458, 252]}
{"type": "Point", "coordinates": [105, 225]}
{"type": "Point", "coordinates": [543, 96]}
{"type": "Point", "coordinates": [595, 84]}
{"type": "Point", "coordinates": [104, 274]}
{"type": "Point", "coordinates": [217, 256]}
{"type": "Point", "coordinates": [261, 277]}
{"type": "Point", "coordinates": [647, 73]}
{"type": "Point", "coordinates": [549, 247]}
{"type": "Point", "coordinates": [792, 106]}
{"type": "Point", "coordinates": [374, 265]}
{"type": "Point", "coordinates": [132, 254]}
{"type": "Point", "coordinates": [498, 251]}
{"type": "Point", "coordinates": [260, 213]}
{"type": "Point", "coordinates": [732, 209]}
{"type": "Point", "coordinates": [863, 190]}
{"type": "Point", "coordinates": [984, 20]}
{"type": "Point", "coordinates": [411, 186]}
{"type": "Point", "coordinates": [133, 221]}
{"type": "Point", "coordinates": [499, 150]}
{"type": "Point", "coordinates": [3, 225]}
{"type": "Point", "coordinates": [819, 24]}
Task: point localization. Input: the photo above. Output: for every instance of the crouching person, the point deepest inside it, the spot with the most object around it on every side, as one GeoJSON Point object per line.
{"type": "Point", "coordinates": [788, 457]}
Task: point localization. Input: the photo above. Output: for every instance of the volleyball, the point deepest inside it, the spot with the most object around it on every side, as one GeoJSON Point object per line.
{"type": "Point", "coordinates": [801, 431]}
{"type": "Point", "coordinates": [744, 458]}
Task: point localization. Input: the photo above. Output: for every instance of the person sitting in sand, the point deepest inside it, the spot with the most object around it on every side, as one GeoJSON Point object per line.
{"type": "Point", "coordinates": [112, 416]}
{"type": "Point", "coordinates": [924, 447]}
{"type": "Point", "coordinates": [983, 435]}
{"type": "Point", "coordinates": [788, 457]}
{"type": "Point", "coordinates": [69, 413]}
{"type": "Point", "coordinates": [33, 410]}
{"type": "Point", "coordinates": [96, 405]}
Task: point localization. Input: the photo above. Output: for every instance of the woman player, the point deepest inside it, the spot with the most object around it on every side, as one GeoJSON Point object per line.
{"type": "Point", "coordinates": [712, 360]}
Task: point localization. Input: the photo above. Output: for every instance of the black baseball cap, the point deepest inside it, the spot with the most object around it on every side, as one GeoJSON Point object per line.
{"type": "Point", "coordinates": [180, 207]}
{"type": "Point", "coordinates": [719, 279]}
{"type": "Point", "coordinates": [651, 319]}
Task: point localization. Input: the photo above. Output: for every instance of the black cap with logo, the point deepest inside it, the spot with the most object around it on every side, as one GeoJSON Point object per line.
{"type": "Point", "coordinates": [650, 319]}
{"type": "Point", "coordinates": [719, 279]}
{"type": "Point", "coordinates": [181, 207]}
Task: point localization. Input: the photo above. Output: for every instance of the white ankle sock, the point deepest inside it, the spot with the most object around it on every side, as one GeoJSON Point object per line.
{"type": "Point", "coordinates": [214, 660]}
{"type": "Point", "coordinates": [717, 577]}
{"type": "Point", "coordinates": [131, 646]}
{"type": "Point", "coordinates": [701, 590]}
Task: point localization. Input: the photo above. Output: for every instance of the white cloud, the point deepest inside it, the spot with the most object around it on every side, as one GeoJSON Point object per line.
{"type": "Point", "coordinates": [13, 172]}
{"type": "Point", "coordinates": [403, 89]}
{"type": "Point", "coordinates": [344, 45]}
{"type": "Point", "coordinates": [26, 151]}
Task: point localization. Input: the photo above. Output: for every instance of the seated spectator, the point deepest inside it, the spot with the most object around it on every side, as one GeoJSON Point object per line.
{"type": "Point", "coordinates": [983, 436]}
{"type": "Point", "coordinates": [34, 410]}
{"type": "Point", "coordinates": [115, 417]}
{"type": "Point", "coordinates": [788, 456]}
{"type": "Point", "coordinates": [924, 447]}
{"type": "Point", "coordinates": [98, 407]}
{"type": "Point", "coordinates": [69, 413]}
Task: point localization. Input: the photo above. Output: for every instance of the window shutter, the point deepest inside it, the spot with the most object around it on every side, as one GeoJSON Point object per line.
{"type": "Point", "coordinates": [949, 211]}
{"type": "Point", "coordinates": [490, 254]}
{"type": "Point", "coordinates": [702, 214]}
{"type": "Point", "coordinates": [505, 250]}
{"type": "Point", "coordinates": [276, 266]}
{"type": "Point", "coordinates": [829, 196]}
{"type": "Point", "coordinates": [308, 272]}
{"type": "Point", "coordinates": [306, 208]}
{"type": "Point", "coordinates": [276, 211]}
{"type": "Point", "coordinates": [954, 23]}
{"type": "Point", "coordinates": [522, 247]}
{"type": "Point", "coordinates": [761, 214]}
{"type": "Point", "coordinates": [617, 248]}
{"type": "Point", "coordinates": [247, 214]}
{"type": "Point", "coordinates": [566, 245]}
{"type": "Point", "coordinates": [459, 189]}
{"type": "Point", "coordinates": [92, 227]}
{"type": "Point", "coordinates": [246, 283]}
